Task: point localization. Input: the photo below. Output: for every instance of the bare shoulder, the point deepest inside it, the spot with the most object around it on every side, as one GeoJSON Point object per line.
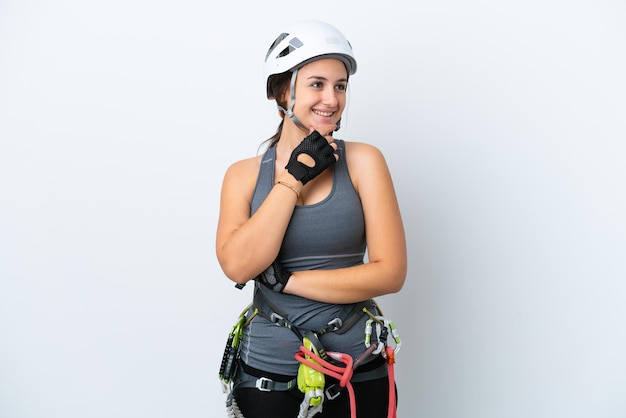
{"type": "Point", "coordinates": [241, 175]}
{"type": "Point", "coordinates": [244, 167]}
{"type": "Point", "coordinates": [367, 166]}
{"type": "Point", "coordinates": [361, 156]}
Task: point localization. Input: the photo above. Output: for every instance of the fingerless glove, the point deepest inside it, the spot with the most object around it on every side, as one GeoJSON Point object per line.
{"type": "Point", "coordinates": [275, 277]}
{"type": "Point", "coordinates": [316, 147]}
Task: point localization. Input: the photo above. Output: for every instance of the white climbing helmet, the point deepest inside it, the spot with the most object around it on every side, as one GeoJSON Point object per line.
{"type": "Point", "coordinates": [303, 42]}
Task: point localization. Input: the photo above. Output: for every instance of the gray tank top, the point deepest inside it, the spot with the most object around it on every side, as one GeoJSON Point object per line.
{"type": "Point", "coordinates": [326, 235]}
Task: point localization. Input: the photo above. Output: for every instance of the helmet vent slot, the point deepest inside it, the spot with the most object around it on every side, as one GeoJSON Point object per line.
{"type": "Point", "coordinates": [286, 51]}
{"type": "Point", "coordinates": [293, 45]}
{"type": "Point", "coordinates": [276, 42]}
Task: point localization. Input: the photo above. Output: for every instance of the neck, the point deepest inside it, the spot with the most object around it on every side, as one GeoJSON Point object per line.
{"type": "Point", "coordinates": [292, 134]}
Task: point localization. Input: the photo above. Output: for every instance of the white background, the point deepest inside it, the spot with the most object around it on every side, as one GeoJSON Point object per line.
{"type": "Point", "coordinates": [504, 127]}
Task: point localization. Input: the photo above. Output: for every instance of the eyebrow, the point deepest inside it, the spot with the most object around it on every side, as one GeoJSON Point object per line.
{"type": "Point", "coordinates": [317, 77]}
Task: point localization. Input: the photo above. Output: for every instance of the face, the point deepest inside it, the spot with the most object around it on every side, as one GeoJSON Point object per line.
{"type": "Point", "coordinates": [321, 92]}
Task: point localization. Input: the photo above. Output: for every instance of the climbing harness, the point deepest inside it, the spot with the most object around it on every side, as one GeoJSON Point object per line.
{"type": "Point", "coordinates": [315, 362]}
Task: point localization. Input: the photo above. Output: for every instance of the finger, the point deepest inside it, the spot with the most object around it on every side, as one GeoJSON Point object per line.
{"type": "Point", "coordinates": [334, 145]}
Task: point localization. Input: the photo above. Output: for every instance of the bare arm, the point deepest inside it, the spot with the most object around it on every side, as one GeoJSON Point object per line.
{"type": "Point", "coordinates": [245, 244]}
{"type": "Point", "coordinates": [386, 270]}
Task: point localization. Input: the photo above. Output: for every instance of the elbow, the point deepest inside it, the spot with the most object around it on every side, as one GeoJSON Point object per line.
{"type": "Point", "coordinates": [399, 287]}
{"type": "Point", "coordinates": [240, 280]}
{"type": "Point", "coordinates": [396, 284]}
{"type": "Point", "coordinates": [235, 267]}
{"type": "Point", "coordinates": [397, 279]}
{"type": "Point", "coordinates": [390, 270]}
{"type": "Point", "coordinates": [235, 273]}
{"type": "Point", "coordinates": [240, 269]}
{"type": "Point", "coordinates": [389, 286]}
{"type": "Point", "coordinates": [390, 276]}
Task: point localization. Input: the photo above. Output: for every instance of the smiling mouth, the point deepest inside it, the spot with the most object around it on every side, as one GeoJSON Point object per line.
{"type": "Point", "coordinates": [325, 114]}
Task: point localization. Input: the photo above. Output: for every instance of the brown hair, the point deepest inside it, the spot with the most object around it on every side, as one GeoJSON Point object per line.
{"type": "Point", "coordinates": [278, 86]}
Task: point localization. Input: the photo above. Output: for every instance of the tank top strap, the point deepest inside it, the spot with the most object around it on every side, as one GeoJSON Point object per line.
{"type": "Point", "coordinates": [265, 179]}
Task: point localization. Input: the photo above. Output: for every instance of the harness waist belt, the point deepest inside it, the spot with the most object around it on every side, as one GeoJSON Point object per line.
{"type": "Point", "coordinates": [243, 379]}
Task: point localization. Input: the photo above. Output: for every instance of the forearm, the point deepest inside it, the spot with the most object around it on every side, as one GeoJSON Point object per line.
{"type": "Point", "coordinates": [254, 245]}
{"type": "Point", "coordinates": [348, 285]}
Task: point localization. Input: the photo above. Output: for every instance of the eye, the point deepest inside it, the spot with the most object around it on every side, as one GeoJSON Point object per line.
{"type": "Point", "coordinates": [317, 84]}
{"type": "Point", "coordinates": [341, 87]}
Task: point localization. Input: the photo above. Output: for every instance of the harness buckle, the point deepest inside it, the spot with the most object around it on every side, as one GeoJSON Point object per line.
{"type": "Point", "coordinates": [264, 384]}
{"type": "Point", "coordinates": [333, 391]}
{"type": "Point", "coordinates": [277, 319]}
{"type": "Point", "coordinates": [336, 323]}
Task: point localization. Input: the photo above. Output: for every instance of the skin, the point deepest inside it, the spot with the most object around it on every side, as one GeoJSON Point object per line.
{"type": "Point", "coordinates": [246, 245]}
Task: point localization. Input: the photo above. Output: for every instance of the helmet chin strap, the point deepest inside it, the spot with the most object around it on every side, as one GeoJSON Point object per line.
{"type": "Point", "coordinates": [289, 112]}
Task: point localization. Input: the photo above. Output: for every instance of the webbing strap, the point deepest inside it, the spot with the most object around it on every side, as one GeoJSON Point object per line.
{"type": "Point", "coordinates": [355, 314]}
{"type": "Point", "coordinates": [350, 317]}
{"type": "Point", "coordinates": [245, 380]}
{"type": "Point", "coordinates": [264, 384]}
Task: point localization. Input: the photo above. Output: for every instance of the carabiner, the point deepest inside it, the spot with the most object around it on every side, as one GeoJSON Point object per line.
{"type": "Point", "coordinates": [382, 323]}
{"type": "Point", "coordinates": [368, 334]}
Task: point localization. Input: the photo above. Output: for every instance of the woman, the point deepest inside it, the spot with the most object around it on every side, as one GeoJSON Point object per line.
{"type": "Point", "coordinates": [298, 221]}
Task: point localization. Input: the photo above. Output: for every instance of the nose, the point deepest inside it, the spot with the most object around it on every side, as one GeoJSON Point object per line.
{"type": "Point", "coordinates": [330, 96]}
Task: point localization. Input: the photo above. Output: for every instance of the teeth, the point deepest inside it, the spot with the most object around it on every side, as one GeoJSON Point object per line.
{"type": "Point", "coordinates": [323, 113]}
